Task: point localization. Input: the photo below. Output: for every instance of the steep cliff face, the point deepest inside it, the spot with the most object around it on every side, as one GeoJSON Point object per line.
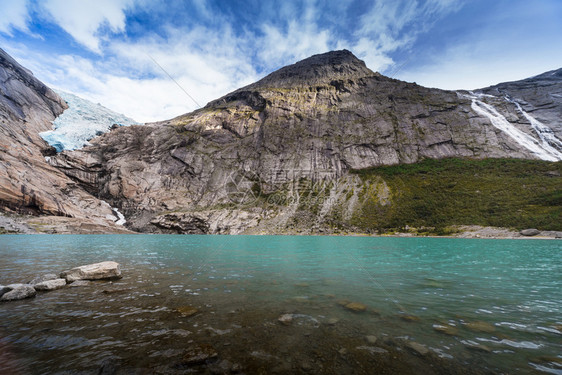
{"type": "Point", "coordinates": [249, 160]}
{"type": "Point", "coordinates": [28, 184]}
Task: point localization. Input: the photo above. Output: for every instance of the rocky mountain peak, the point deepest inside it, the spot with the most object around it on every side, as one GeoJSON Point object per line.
{"type": "Point", "coordinates": [317, 69]}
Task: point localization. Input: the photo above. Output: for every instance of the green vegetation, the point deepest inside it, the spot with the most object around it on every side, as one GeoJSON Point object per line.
{"type": "Point", "coordinates": [437, 194]}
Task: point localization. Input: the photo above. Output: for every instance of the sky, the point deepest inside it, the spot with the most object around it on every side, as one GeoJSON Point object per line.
{"type": "Point", "coordinates": [153, 60]}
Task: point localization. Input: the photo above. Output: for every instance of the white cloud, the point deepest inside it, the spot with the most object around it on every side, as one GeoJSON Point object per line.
{"type": "Point", "coordinates": [84, 19]}
{"type": "Point", "coordinates": [207, 61]}
{"type": "Point", "coordinates": [14, 15]}
{"type": "Point", "coordinates": [482, 63]}
{"type": "Point", "coordinates": [295, 39]}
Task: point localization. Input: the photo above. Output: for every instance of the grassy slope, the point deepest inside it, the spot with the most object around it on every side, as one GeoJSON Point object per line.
{"type": "Point", "coordinates": [491, 192]}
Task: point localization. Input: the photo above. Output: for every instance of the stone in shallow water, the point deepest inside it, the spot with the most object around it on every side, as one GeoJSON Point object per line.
{"type": "Point", "coordinates": [446, 329]}
{"type": "Point", "coordinates": [96, 271]}
{"type": "Point", "coordinates": [199, 354]}
{"type": "Point", "coordinates": [480, 326]}
{"type": "Point", "coordinates": [187, 310]}
{"type": "Point", "coordinates": [356, 307]}
{"type": "Point", "coordinates": [332, 321]}
{"type": "Point", "coordinates": [80, 283]}
{"type": "Point", "coordinates": [50, 284]}
{"type": "Point", "coordinates": [480, 348]}
{"type": "Point", "coordinates": [544, 359]}
{"type": "Point", "coordinates": [410, 318]}
{"type": "Point", "coordinates": [46, 277]}
{"type": "Point", "coordinates": [417, 347]}
{"type": "Point", "coordinates": [371, 339]}
{"type": "Point", "coordinates": [17, 292]}
{"type": "Point", "coordinates": [372, 349]}
{"type": "Point", "coordinates": [285, 319]}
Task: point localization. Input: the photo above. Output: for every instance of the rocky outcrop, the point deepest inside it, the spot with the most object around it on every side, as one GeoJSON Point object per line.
{"type": "Point", "coordinates": [96, 271]}
{"type": "Point", "coordinates": [254, 160]}
{"type": "Point", "coordinates": [28, 184]}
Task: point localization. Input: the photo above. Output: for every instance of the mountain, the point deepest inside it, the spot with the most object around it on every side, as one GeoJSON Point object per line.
{"type": "Point", "coordinates": [28, 184]}
{"type": "Point", "coordinates": [282, 154]}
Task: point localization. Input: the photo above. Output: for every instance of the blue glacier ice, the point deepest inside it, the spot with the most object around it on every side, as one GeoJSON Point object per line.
{"type": "Point", "coordinates": [82, 121]}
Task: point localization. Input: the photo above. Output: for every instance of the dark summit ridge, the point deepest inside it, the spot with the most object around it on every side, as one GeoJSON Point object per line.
{"type": "Point", "coordinates": [317, 69]}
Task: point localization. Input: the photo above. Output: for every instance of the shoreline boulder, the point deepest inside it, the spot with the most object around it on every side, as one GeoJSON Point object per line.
{"type": "Point", "coordinates": [96, 271]}
{"type": "Point", "coordinates": [530, 232]}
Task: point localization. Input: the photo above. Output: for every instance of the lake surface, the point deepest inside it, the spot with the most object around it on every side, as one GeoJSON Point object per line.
{"type": "Point", "coordinates": [475, 306]}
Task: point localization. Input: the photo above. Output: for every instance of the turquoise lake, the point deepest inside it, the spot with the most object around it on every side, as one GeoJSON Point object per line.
{"type": "Point", "coordinates": [432, 305]}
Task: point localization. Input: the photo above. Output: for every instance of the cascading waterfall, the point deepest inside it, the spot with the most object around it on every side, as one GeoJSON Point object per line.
{"type": "Point", "coordinates": [549, 140]}
{"type": "Point", "coordinates": [542, 149]}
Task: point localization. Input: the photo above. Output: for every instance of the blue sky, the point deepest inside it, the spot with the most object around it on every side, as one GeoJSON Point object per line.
{"type": "Point", "coordinates": [105, 50]}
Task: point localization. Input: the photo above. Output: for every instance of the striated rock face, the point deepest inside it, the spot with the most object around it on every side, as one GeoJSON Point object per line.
{"type": "Point", "coordinates": [50, 285]}
{"type": "Point", "coordinates": [28, 184]}
{"type": "Point", "coordinates": [242, 163]}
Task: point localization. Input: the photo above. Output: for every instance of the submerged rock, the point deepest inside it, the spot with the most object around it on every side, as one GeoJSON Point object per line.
{"type": "Point", "coordinates": [417, 347]}
{"type": "Point", "coordinates": [285, 319]}
{"type": "Point", "coordinates": [332, 321]}
{"type": "Point", "coordinates": [17, 291]}
{"type": "Point", "coordinates": [446, 329]}
{"type": "Point", "coordinates": [187, 310]}
{"type": "Point", "coordinates": [479, 348]}
{"type": "Point", "coordinates": [480, 326]}
{"type": "Point", "coordinates": [410, 318]}
{"type": "Point", "coordinates": [50, 285]}
{"type": "Point", "coordinates": [199, 354]}
{"type": "Point", "coordinates": [80, 283]}
{"type": "Point", "coordinates": [371, 339]}
{"type": "Point", "coordinates": [530, 232]}
{"type": "Point", "coordinates": [96, 271]}
{"type": "Point", "coordinates": [356, 307]}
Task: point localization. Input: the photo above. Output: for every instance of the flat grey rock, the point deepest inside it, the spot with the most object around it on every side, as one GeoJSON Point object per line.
{"type": "Point", "coordinates": [96, 271]}
{"type": "Point", "coordinates": [46, 277]}
{"type": "Point", "coordinates": [50, 285]}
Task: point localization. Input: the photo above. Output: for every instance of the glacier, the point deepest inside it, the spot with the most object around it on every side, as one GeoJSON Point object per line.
{"type": "Point", "coordinates": [82, 121]}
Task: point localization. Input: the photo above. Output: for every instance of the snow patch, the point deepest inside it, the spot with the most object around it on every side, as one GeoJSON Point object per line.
{"type": "Point", "coordinates": [82, 121]}
{"type": "Point", "coordinates": [500, 122]}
